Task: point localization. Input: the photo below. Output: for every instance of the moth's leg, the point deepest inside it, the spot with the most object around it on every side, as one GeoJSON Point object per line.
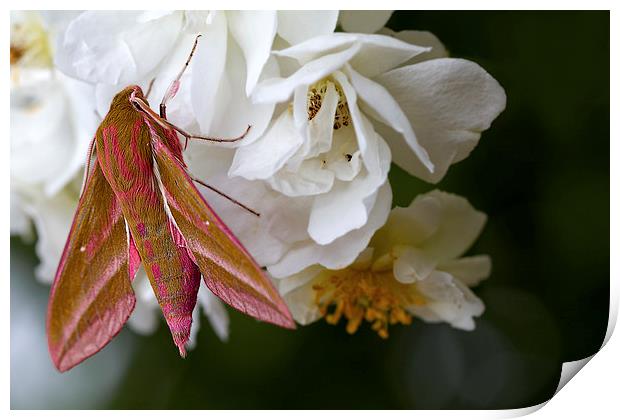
{"type": "Point", "coordinates": [150, 88]}
{"type": "Point", "coordinates": [243, 206]}
{"type": "Point", "coordinates": [142, 106]}
{"type": "Point", "coordinates": [174, 86]}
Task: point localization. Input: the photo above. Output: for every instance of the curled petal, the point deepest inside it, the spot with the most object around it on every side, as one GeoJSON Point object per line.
{"type": "Point", "coordinates": [383, 105]}
{"type": "Point", "coordinates": [342, 251]}
{"type": "Point", "coordinates": [276, 90]}
{"type": "Point", "coordinates": [470, 270]}
{"type": "Point", "coordinates": [263, 158]}
{"type": "Point", "coordinates": [116, 47]}
{"type": "Point", "coordinates": [449, 102]}
{"type": "Point", "coordinates": [413, 265]}
{"type": "Point", "coordinates": [422, 38]}
{"type": "Point", "coordinates": [218, 94]}
{"type": "Point", "coordinates": [300, 296]}
{"type": "Point", "coordinates": [448, 300]}
{"type": "Point", "coordinates": [375, 55]}
{"type": "Point", "coordinates": [311, 178]}
{"type": "Point", "coordinates": [459, 226]}
{"type": "Point", "coordinates": [254, 32]}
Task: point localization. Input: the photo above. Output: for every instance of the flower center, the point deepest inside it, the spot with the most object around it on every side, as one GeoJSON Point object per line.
{"type": "Point", "coordinates": [358, 295]}
{"type": "Point", "coordinates": [30, 44]}
{"type": "Point", "coordinates": [316, 94]}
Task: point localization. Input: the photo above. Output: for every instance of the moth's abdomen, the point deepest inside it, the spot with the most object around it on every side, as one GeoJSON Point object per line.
{"type": "Point", "coordinates": [173, 275]}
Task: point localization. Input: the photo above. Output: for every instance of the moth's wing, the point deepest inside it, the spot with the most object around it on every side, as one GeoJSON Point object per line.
{"type": "Point", "coordinates": [227, 268]}
{"type": "Point", "coordinates": [91, 297]}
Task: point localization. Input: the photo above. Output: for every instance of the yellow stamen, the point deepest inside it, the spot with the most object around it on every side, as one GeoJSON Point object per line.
{"type": "Point", "coordinates": [30, 45]}
{"type": "Point", "coordinates": [364, 295]}
{"type": "Point", "coordinates": [317, 92]}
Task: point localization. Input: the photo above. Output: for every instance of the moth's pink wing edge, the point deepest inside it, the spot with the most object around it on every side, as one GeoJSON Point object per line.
{"type": "Point", "coordinates": [66, 361]}
{"type": "Point", "coordinates": [284, 319]}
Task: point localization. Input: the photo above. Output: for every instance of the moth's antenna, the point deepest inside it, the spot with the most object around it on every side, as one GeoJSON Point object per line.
{"type": "Point", "coordinates": [215, 190]}
{"type": "Point", "coordinates": [174, 86]}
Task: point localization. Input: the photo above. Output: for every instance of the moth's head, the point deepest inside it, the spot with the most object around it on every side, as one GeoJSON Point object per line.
{"type": "Point", "coordinates": [123, 98]}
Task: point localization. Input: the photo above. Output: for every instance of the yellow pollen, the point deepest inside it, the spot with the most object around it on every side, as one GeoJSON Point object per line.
{"type": "Point", "coordinates": [317, 92]}
{"type": "Point", "coordinates": [365, 295]}
{"type": "Point", "coordinates": [30, 44]}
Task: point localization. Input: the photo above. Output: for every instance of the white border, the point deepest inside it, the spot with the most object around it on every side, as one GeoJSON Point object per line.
{"type": "Point", "coordinates": [593, 394]}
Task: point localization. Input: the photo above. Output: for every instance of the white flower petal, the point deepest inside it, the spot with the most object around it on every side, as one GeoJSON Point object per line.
{"type": "Point", "coordinates": [208, 69]}
{"type": "Point", "coordinates": [264, 157]}
{"type": "Point", "coordinates": [371, 145]}
{"type": "Point", "coordinates": [147, 313]}
{"type": "Point", "coordinates": [375, 53]}
{"type": "Point", "coordinates": [311, 178]}
{"type": "Point", "coordinates": [469, 270]}
{"type": "Point", "coordinates": [215, 311]}
{"type": "Point", "coordinates": [449, 301]}
{"type": "Point", "coordinates": [343, 209]}
{"type": "Point", "coordinates": [459, 227]}
{"type": "Point", "coordinates": [48, 146]}
{"type": "Point", "coordinates": [364, 21]}
{"type": "Point", "coordinates": [115, 47]}
{"type": "Point", "coordinates": [413, 265]}
{"type": "Point", "coordinates": [344, 158]}
{"type": "Point", "coordinates": [296, 26]}
{"type": "Point", "coordinates": [300, 301]}
{"type": "Point", "coordinates": [52, 218]}
{"type": "Point", "coordinates": [321, 127]}
{"type": "Point", "coordinates": [410, 225]}
{"type": "Point", "coordinates": [288, 284]}
{"type": "Point", "coordinates": [280, 89]}
{"type": "Point", "coordinates": [449, 102]}
{"type": "Point", "coordinates": [20, 222]}
{"type": "Point", "coordinates": [422, 38]}
{"type": "Point", "coordinates": [230, 110]}
{"type": "Point", "coordinates": [383, 105]}
{"type": "Point", "coordinates": [339, 253]}
{"type": "Point", "coordinates": [254, 32]}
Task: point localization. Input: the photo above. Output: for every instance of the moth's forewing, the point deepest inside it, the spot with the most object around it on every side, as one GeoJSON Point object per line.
{"type": "Point", "coordinates": [91, 297]}
{"type": "Point", "coordinates": [227, 268]}
{"type": "Point", "coordinates": [124, 148]}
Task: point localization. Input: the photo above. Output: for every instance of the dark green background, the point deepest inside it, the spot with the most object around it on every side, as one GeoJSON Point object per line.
{"type": "Point", "coordinates": [541, 173]}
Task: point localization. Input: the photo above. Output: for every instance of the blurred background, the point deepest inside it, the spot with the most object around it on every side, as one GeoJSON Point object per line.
{"type": "Point", "coordinates": [541, 173]}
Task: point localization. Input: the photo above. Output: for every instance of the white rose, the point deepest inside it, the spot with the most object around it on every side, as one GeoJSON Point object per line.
{"type": "Point", "coordinates": [412, 267]}
{"type": "Point", "coordinates": [52, 123]}
{"type": "Point", "coordinates": [324, 150]}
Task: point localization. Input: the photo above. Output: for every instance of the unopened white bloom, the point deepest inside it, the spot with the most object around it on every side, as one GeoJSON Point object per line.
{"type": "Point", "coordinates": [327, 151]}
{"type": "Point", "coordinates": [413, 266]}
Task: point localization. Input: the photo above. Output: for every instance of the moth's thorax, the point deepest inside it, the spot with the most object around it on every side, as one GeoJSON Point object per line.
{"type": "Point", "coordinates": [123, 142]}
{"type": "Point", "coordinates": [123, 98]}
